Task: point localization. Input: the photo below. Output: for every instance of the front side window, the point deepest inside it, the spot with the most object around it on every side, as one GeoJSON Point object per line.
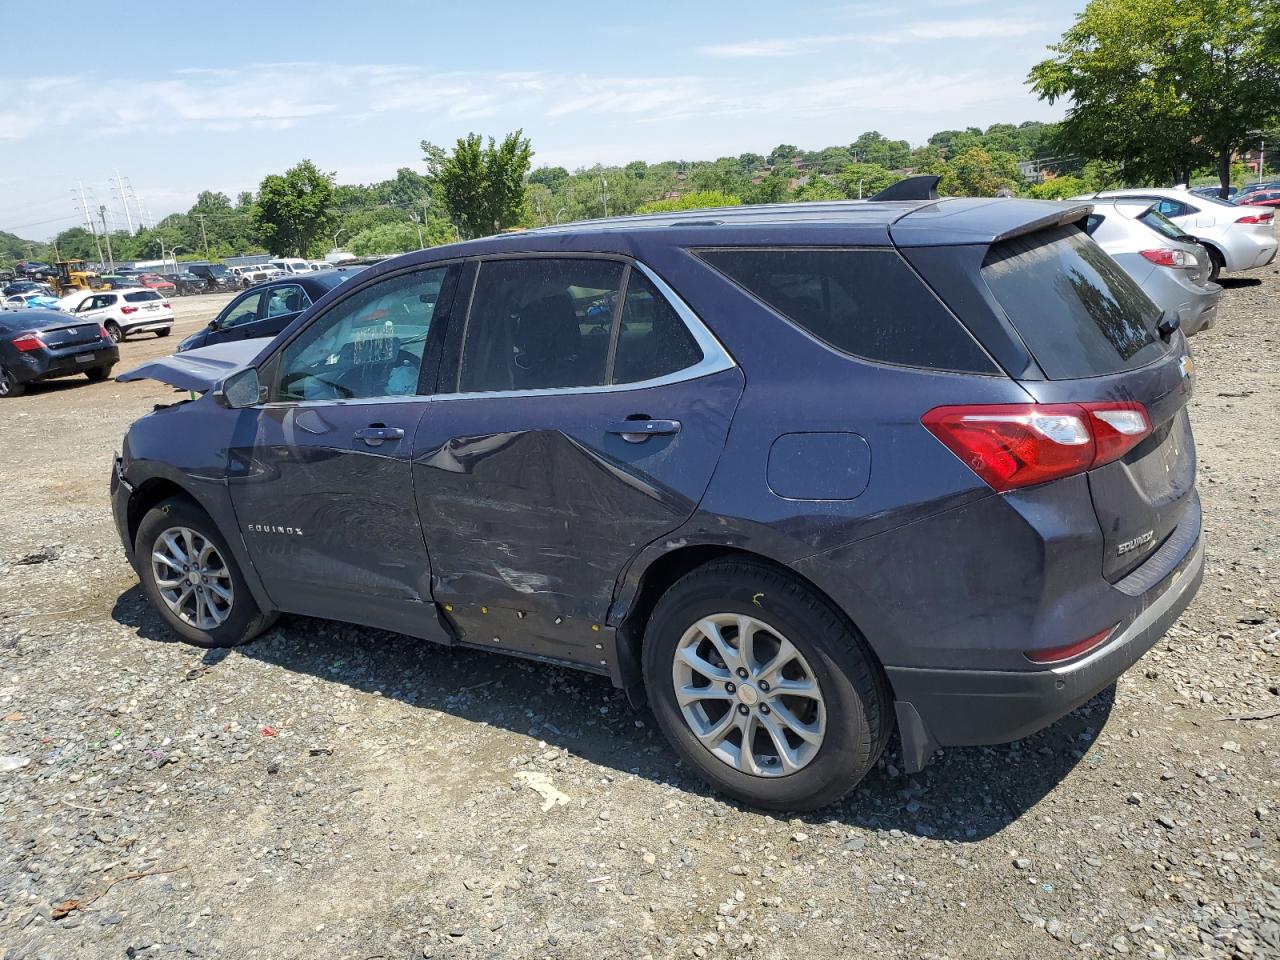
{"type": "Point", "coordinates": [100, 302]}
{"type": "Point", "coordinates": [369, 345]}
{"type": "Point", "coordinates": [287, 299]}
{"type": "Point", "coordinates": [244, 310]}
{"type": "Point", "coordinates": [540, 323]}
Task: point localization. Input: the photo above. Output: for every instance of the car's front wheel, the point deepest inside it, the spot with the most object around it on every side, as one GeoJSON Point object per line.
{"type": "Point", "coordinates": [764, 687]}
{"type": "Point", "coordinates": [192, 579]}
{"type": "Point", "coordinates": [114, 331]}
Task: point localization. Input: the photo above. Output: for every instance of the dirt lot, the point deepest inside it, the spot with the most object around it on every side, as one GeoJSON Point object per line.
{"type": "Point", "coordinates": [333, 792]}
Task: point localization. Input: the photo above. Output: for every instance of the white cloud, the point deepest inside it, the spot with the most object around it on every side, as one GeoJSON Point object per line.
{"type": "Point", "coordinates": [970, 29]}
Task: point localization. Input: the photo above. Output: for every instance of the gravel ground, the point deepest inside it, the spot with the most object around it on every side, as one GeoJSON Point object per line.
{"type": "Point", "coordinates": [336, 792]}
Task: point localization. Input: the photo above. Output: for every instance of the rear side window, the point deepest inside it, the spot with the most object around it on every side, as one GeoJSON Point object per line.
{"type": "Point", "coordinates": [540, 324]}
{"type": "Point", "coordinates": [1078, 312]}
{"type": "Point", "coordinates": [142, 296]}
{"type": "Point", "coordinates": [867, 303]}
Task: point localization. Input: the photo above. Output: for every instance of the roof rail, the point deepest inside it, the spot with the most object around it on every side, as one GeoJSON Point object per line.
{"type": "Point", "coordinates": [922, 187]}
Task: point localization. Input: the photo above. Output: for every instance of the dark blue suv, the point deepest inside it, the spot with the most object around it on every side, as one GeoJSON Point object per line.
{"type": "Point", "coordinates": [793, 475]}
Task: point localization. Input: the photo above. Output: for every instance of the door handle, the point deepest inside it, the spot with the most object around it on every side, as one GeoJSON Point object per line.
{"type": "Point", "coordinates": [374, 434]}
{"type": "Point", "coordinates": [638, 431]}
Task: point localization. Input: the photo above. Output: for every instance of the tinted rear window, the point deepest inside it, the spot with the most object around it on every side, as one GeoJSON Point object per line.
{"type": "Point", "coordinates": [867, 303]}
{"type": "Point", "coordinates": [142, 295]}
{"type": "Point", "coordinates": [1078, 312]}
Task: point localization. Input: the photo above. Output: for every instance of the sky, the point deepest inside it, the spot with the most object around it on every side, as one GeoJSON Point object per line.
{"type": "Point", "coordinates": [186, 98]}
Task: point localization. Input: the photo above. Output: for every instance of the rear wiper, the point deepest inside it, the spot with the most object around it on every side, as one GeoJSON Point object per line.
{"type": "Point", "coordinates": [1168, 324]}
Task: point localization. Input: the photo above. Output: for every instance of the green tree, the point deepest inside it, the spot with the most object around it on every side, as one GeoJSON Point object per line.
{"type": "Point", "coordinates": [1059, 188]}
{"type": "Point", "coordinates": [384, 238]}
{"type": "Point", "coordinates": [820, 188]}
{"type": "Point", "coordinates": [482, 187]}
{"type": "Point", "coordinates": [294, 209]}
{"type": "Point", "coordinates": [783, 153]}
{"type": "Point", "coordinates": [874, 147]}
{"type": "Point", "coordinates": [772, 189]}
{"type": "Point", "coordinates": [976, 172]}
{"type": "Point", "coordinates": [550, 177]}
{"type": "Point", "coordinates": [861, 180]}
{"type": "Point", "coordinates": [701, 200]}
{"type": "Point", "coordinates": [1164, 86]}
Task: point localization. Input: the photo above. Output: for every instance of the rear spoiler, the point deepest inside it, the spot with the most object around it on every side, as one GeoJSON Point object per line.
{"type": "Point", "coordinates": [1058, 218]}
{"type": "Point", "coordinates": [922, 187]}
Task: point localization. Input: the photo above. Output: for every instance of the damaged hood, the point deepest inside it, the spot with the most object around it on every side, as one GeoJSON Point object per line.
{"type": "Point", "coordinates": [200, 369]}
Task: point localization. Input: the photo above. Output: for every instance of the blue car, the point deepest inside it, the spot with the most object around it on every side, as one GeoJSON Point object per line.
{"type": "Point", "coordinates": [820, 472]}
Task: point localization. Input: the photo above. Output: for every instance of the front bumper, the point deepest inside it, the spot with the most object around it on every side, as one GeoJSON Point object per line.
{"type": "Point", "coordinates": [955, 707]}
{"type": "Point", "coordinates": [121, 491]}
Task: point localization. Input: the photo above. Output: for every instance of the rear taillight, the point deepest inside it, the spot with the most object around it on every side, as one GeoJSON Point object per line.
{"type": "Point", "coordinates": [165, 304]}
{"type": "Point", "coordinates": [128, 310]}
{"type": "Point", "coordinates": [1071, 650]}
{"type": "Point", "coordinates": [1168, 258]}
{"type": "Point", "coordinates": [28, 342]}
{"type": "Point", "coordinates": [102, 333]}
{"type": "Point", "coordinates": [1258, 218]}
{"type": "Point", "coordinates": [1013, 445]}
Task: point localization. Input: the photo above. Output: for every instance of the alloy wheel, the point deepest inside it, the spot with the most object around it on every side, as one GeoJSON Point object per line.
{"type": "Point", "coordinates": [192, 578]}
{"type": "Point", "coordinates": [749, 695]}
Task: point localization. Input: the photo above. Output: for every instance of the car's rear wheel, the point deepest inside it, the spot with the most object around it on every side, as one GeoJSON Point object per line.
{"type": "Point", "coordinates": [10, 386]}
{"type": "Point", "coordinates": [763, 687]}
{"type": "Point", "coordinates": [98, 374]}
{"type": "Point", "coordinates": [1215, 271]}
{"type": "Point", "coordinates": [114, 331]}
{"type": "Point", "coordinates": [192, 579]}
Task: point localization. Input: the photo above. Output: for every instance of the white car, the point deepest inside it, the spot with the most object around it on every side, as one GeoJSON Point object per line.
{"type": "Point", "coordinates": [1237, 237]}
{"type": "Point", "coordinates": [292, 265]}
{"type": "Point", "coordinates": [122, 312]}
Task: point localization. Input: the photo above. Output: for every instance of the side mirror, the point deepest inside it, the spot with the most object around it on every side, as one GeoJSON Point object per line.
{"type": "Point", "coordinates": [239, 390]}
{"type": "Point", "coordinates": [213, 324]}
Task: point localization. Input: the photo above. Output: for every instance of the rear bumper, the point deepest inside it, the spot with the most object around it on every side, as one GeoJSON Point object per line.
{"type": "Point", "coordinates": [956, 707]}
{"type": "Point", "coordinates": [147, 326]}
{"type": "Point", "coordinates": [48, 364]}
{"type": "Point", "coordinates": [1251, 250]}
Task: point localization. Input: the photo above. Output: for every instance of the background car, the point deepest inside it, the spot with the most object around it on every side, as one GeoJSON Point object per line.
{"type": "Point", "coordinates": [24, 286]}
{"type": "Point", "coordinates": [31, 301]}
{"type": "Point", "coordinates": [154, 281]}
{"type": "Point", "coordinates": [216, 276]}
{"type": "Point", "coordinates": [1172, 268]}
{"type": "Point", "coordinates": [43, 344]}
{"type": "Point", "coordinates": [1214, 192]}
{"type": "Point", "coordinates": [292, 265]}
{"type": "Point", "coordinates": [266, 309]}
{"type": "Point", "coordinates": [1261, 198]}
{"type": "Point", "coordinates": [1237, 237]}
{"type": "Point", "coordinates": [123, 312]}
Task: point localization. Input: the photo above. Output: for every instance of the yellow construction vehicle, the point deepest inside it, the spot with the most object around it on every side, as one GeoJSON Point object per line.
{"type": "Point", "coordinates": [71, 275]}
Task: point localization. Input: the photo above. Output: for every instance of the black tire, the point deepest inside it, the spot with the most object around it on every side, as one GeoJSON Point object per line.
{"type": "Point", "coordinates": [165, 332]}
{"type": "Point", "coordinates": [98, 374]}
{"type": "Point", "coordinates": [854, 689]}
{"type": "Point", "coordinates": [114, 331]}
{"type": "Point", "coordinates": [10, 386]}
{"type": "Point", "coordinates": [1215, 258]}
{"type": "Point", "coordinates": [244, 621]}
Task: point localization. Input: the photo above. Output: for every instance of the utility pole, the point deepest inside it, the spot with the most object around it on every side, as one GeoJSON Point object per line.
{"type": "Point", "coordinates": [124, 201]}
{"type": "Point", "coordinates": [102, 212]}
{"type": "Point", "coordinates": [88, 220]}
{"type": "Point", "coordinates": [204, 236]}
{"type": "Point", "coordinates": [418, 224]}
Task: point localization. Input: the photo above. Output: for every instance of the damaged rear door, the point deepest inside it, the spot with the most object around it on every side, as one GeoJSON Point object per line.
{"type": "Point", "coordinates": [581, 413]}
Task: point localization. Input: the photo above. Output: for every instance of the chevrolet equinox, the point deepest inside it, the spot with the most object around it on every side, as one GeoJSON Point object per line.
{"type": "Point", "coordinates": [793, 475]}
